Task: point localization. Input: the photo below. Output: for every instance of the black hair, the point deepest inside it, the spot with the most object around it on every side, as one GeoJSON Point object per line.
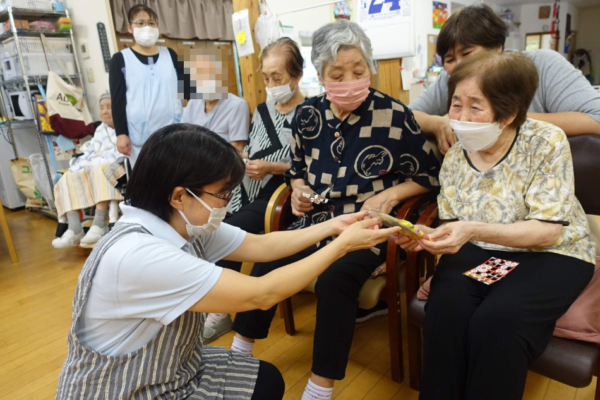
{"type": "Point", "coordinates": [476, 25]}
{"type": "Point", "coordinates": [183, 155]}
{"type": "Point", "coordinates": [135, 10]}
{"type": "Point", "coordinates": [294, 60]}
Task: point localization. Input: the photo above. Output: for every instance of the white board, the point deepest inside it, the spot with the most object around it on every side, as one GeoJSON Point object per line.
{"type": "Point", "coordinates": [390, 24]}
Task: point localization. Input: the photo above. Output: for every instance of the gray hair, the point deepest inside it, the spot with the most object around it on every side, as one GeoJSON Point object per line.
{"type": "Point", "coordinates": [339, 35]}
{"type": "Point", "coordinates": [105, 95]}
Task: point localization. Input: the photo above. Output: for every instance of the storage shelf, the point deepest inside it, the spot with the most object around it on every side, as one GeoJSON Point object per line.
{"type": "Point", "coordinates": [31, 15]}
{"type": "Point", "coordinates": [23, 33]}
{"type": "Point", "coordinates": [32, 79]}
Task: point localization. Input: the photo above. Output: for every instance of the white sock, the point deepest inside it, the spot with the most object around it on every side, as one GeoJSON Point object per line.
{"type": "Point", "coordinates": [239, 346]}
{"type": "Point", "coordinates": [215, 318]}
{"type": "Point", "coordinates": [316, 392]}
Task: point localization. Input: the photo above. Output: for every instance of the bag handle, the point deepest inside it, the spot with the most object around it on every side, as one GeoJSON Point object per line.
{"type": "Point", "coordinates": [58, 61]}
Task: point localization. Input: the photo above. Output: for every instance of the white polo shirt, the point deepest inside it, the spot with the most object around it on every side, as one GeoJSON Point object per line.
{"type": "Point", "coordinates": [144, 282]}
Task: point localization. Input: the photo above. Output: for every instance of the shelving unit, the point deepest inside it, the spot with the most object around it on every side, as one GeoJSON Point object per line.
{"type": "Point", "coordinates": [25, 81]}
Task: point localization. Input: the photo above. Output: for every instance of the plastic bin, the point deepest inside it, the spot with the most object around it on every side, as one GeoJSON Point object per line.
{"type": "Point", "coordinates": [34, 45]}
{"type": "Point", "coordinates": [35, 64]}
{"type": "Point", "coordinates": [45, 5]}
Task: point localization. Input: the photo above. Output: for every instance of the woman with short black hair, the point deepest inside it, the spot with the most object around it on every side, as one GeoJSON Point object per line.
{"type": "Point", "coordinates": [143, 83]}
{"type": "Point", "coordinates": [138, 311]}
{"type": "Point", "coordinates": [564, 97]}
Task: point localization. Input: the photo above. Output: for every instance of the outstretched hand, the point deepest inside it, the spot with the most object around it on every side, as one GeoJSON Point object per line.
{"type": "Point", "coordinates": [365, 234]}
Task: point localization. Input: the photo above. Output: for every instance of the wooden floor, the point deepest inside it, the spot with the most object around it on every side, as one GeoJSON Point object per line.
{"type": "Point", "coordinates": [35, 315]}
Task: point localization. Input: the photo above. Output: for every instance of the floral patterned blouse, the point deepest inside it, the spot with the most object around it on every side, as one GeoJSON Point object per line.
{"type": "Point", "coordinates": [533, 181]}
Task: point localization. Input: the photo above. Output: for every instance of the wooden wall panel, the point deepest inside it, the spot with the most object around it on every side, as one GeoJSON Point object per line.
{"type": "Point", "coordinates": [253, 85]}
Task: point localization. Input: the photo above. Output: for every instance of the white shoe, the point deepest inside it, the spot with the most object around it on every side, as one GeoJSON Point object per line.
{"type": "Point", "coordinates": [92, 237]}
{"type": "Point", "coordinates": [68, 239]}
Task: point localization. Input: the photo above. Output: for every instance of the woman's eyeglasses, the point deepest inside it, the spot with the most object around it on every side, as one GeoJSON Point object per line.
{"type": "Point", "coordinates": [142, 24]}
{"type": "Point", "coordinates": [227, 197]}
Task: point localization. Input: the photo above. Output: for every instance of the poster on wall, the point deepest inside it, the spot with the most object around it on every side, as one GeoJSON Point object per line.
{"type": "Point", "coordinates": [341, 10]}
{"type": "Point", "coordinates": [242, 32]}
{"type": "Point", "coordinates": [440, 14]}
{"type": "Point", "coordinates": [384, 21]}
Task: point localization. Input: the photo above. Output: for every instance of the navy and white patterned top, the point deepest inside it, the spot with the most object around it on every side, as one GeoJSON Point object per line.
{"type": "Point", "coordinates": [378, 146]}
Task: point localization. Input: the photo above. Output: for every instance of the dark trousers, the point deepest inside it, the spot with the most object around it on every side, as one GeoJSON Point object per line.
{"type": "Point", "coordinates": [337, 292]}
{"type": "Point", "coordinates": [480, 340]}
{"type": "Point", "coordinates": [251, 217]}
{"type": "Point", "coordinates": [269, 383]}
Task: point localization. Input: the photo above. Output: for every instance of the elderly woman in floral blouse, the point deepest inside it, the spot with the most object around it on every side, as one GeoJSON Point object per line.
{"type": "Point", "coordinates": [508, 184]}
{"type": "Point", "coordinates": [360, 150]}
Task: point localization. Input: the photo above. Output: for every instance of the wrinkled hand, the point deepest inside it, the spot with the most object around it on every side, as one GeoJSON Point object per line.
{"type": "Point", "coordinates": [365, 234]}
{"type": "Point", "coordinates": [413, 245]}
{"type": "Point", "coordinates": [444, 134]}
{"type": "Point", "coordinates": [301, 204]}
{"type": "Point", "coordinates": [124, 145]}
{"type": "Point", "coordinates": [257, 169]}
{"type": "Point", "coordinates": [448, 238]}
{"type": "Point", "coordinates": [381, 202]}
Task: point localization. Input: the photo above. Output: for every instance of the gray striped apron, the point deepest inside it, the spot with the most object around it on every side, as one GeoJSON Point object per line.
{"type": "Point", "coordinates": [173, 365]}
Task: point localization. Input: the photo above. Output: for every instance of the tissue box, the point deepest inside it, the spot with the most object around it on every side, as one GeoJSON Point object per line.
{"type": "Point", "coordinates": [41, 25]}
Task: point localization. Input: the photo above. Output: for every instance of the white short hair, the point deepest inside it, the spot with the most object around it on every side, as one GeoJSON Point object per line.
{"type": "Point", "coordinates": [342, 34]}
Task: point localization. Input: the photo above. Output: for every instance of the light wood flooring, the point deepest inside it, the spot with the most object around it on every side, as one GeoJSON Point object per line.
{"type": "Point", "coordinates": [35, 315]}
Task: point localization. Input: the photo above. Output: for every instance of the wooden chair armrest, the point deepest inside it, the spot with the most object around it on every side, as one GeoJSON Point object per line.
{"type": "Point", "coordinates": [278, 207]}
{"type": "Point", "coordinates": [408, 208]}
{"type": "Point", "coordinates": [414, 261]}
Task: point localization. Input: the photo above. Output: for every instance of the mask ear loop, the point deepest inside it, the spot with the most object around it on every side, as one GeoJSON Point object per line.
{"type": "Point", "coordinates": [200, 200]}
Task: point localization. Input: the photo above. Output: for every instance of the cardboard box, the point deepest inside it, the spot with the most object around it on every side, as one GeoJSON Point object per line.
{"type": "Point", "coordinates": [19, 24]}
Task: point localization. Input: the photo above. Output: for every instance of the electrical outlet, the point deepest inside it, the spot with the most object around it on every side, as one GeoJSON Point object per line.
{"type": "Point", "coordinates": [85, 50]}
{"type": "Point", "coordinates": [90, 75]}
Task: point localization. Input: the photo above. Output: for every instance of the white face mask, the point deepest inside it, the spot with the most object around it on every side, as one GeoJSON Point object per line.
{"type": "Point", "coordinates": [146, 36]}
{"type": "Point", "coordinates": [281, 94]}
{"type": "Point", "coordinates": [476, 136]}
{"type": "Point", "coordinates": [217, 215]}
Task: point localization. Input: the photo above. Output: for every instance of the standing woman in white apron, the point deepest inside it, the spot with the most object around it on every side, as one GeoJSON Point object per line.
{"type": "Point", "coordinates": [143, 83]}
{"type": "Point", "coordinates": [140, 302]}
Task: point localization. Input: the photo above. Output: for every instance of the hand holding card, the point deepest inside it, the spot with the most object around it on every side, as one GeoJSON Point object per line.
{"type": "Point", "coordinates": [408, 229]}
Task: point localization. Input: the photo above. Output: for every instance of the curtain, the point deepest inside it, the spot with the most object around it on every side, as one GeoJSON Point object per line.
{"type": "Point", "coordinates": [183, 19]}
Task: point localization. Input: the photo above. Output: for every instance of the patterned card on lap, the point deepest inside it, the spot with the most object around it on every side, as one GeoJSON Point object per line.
{"type": "Point", "coordinates": [492, 270]}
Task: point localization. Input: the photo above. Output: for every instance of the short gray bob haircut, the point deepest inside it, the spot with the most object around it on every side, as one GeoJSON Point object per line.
{"type": "Point", "coordinates": [339, 35]}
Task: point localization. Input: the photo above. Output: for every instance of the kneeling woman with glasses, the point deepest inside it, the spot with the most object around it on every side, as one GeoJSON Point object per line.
{"type": "Point", "coordinates": [138, 312]}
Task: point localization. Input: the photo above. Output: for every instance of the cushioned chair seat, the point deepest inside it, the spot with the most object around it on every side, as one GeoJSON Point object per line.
{"type": "Point", "coordinates": [369, 294]}
{"type": "Point", "coordinates": [568, 361]}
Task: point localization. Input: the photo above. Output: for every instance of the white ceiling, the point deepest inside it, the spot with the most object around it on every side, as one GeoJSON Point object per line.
{"type": "Point", "coordinates": [576, 3]}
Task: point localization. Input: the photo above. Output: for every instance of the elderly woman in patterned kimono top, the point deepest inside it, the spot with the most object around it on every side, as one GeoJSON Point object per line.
{"type": "Point", "coordinates": [508, 183]}
{"type": "Point", "coordinates": [85, 185]}
{"type": "Point", "coordinates": [138, 310]}
{"type": "Point", "coordinates": [361, 150]}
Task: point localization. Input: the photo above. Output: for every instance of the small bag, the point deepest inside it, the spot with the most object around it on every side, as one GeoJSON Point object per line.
{"type": "Point", "coordinates": [23, 175]}
{"type": "Point", "coordinates": [69, 113]}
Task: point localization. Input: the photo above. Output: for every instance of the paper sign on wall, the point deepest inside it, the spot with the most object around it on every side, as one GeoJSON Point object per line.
{"type": "Point", "coordinates": [242, 32]}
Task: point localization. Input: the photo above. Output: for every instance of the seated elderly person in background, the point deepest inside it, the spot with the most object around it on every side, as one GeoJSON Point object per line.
{"type": "Point", "coordinates": [508, 183]}
{"type": "Point", "coordinates": [211, 106]}
{"type": "Point", "coordinates": [84, 185]}
{"type": "Point", "coordinates": [361, 150]}
{"type": "Point", "coordinates": [268, 153]}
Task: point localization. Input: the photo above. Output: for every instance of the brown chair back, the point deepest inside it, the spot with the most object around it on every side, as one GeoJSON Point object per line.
{"type": "Point", "coordinates": [586, 163]}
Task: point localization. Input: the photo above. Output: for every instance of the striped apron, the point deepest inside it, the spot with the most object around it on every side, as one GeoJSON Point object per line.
{"type": "Point", "coordinates": [173, 365]}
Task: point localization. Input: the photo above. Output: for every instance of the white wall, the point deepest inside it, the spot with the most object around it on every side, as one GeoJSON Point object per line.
{"type": "Point", "coordinates": [309, 20]}
{"type": "Point", "coordinates": [528, 14]}
{"type": "Point", "coordinates": [85, 15]}
{"type": "Point", "coordinates": [588, 36]}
